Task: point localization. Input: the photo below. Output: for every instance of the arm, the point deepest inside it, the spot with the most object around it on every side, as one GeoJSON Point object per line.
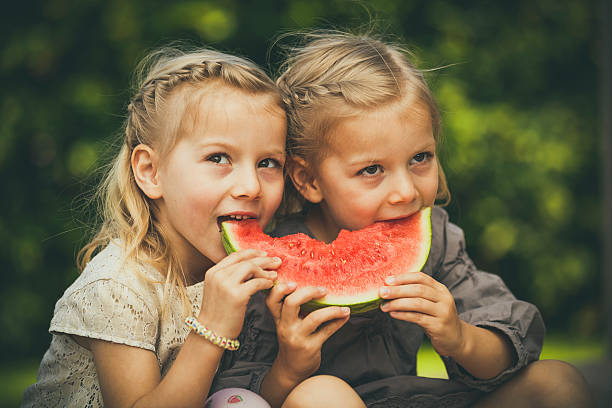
{"type": "Point", "coordinates": [484, 353]}
{"type": "Point", "coordinates": [420, 299]}
{"type": "Point", "coordinates": [300, 338]}
{"type": "Point", "coordinates": [130, 376]}
{"type": "Point", "coordinates": [481, 301]}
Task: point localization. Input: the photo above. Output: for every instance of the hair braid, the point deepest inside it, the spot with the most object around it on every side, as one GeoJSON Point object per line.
{"type": "Point", "coordinates": [334, 75]}
{"type": "Point", "coordinates": [128, 216]}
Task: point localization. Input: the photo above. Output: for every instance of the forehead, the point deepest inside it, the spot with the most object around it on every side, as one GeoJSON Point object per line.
{"type": "Point", "coordinates": [190, 109]}
{"type": "Point", "coordinates": [221, 106]}
{"type": "Point", "coordinates": [391, 128]}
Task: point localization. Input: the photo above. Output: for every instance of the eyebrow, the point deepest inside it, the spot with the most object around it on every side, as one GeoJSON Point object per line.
{"type": "Point", "coordinates": [227, 146]}
{"type": "Point", "coordinates": [367, 159]}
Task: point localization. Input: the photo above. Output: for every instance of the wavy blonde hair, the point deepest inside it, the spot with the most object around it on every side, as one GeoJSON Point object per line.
{"type": "Point", "coordinates": [333, 75]}
{"type": "Point", "coordinates": [128, 215]}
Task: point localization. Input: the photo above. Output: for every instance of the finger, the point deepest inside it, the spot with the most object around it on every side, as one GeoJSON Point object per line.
{"type": "Point", "coordinates": [255, 271]}
{"type": "Point", "coordinates": [275, 297]}
{"type": "Point", "coordinates": [321, 316]}
{"type": "Point", "coordinates": [266, 262]}
{"type": "Point", "coordinates": [239, 256]}
{"type": "Point", "coordinates": [410, 305]}
{"type": "Point", "coordinates": [411, 278]}
{"type": "Point", "coordinates": [292, 303]}
{"type": "Point", "coordinates": [243, 271]}
{"type": "Point", "coordinates": [420, 319]}
{"type": "Point", "coordinates": [255, 285]}
{"type": "Point", "coordinates": [411, 290]}
{"type": "Point", "coordinates": [329, 328]}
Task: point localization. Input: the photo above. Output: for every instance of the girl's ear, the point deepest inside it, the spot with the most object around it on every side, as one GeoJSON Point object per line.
{"type": "Point", "coordinates": [304, 179]}
{"type": "Point", "coordinates": [145, 165]}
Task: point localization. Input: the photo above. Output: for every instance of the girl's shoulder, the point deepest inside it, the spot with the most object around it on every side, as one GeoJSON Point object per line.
{"type": "Point", "coordinates": [442, 228]}
{"type": "Point", "coordinates": [111, 264]}
{"type": "Point", "coordinates": [113, 299]}
{"type": "Point", "coordinates": [447, 241]}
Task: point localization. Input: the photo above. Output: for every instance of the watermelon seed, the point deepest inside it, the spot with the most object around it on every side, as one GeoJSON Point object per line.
{"type": "Point", "coordinates": [303, 252]}
{"type": "Point", "coordinates": [291, 245]}
{"type": "Point", "coordinates": [312, 255]}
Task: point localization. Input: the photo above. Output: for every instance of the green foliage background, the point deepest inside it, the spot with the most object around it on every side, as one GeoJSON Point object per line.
{"type": "Point", "coordinates": [520, 113]}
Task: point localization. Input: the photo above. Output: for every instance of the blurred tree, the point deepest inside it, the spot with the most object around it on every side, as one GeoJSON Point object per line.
{"type": "Point", "coordinates": [520, 123]}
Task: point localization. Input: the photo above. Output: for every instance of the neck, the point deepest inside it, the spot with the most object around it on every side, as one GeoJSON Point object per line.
{"type": "Point", "coordinates": [322, 226]}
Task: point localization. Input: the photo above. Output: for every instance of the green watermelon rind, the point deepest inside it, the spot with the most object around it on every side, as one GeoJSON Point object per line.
{"type": "Point", "coordinates": [364, 305]}
{"type": "Point", "coordinates": [360, 306]}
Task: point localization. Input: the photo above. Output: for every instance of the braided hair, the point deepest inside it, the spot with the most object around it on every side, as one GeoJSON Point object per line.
{"type": "Point", "coordinates": [336, 75]}
{"type": "Point", "coordinates": [162, 80]}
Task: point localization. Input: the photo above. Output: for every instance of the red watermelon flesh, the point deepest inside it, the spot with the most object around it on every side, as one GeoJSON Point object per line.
{"type": "Point", "coordinates": [352, 268]}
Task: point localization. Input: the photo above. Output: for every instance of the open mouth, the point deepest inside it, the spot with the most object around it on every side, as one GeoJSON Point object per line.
{"type": "Point", "coordinates": [235, 217]}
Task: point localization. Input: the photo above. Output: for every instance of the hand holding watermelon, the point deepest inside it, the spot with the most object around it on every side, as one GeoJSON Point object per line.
{"type": "Point", "coordinates": [229, 285]}
{"type": "Point", "coordinates": [418, 298]}
{"type": "Point", "coordinates": [300, 337]}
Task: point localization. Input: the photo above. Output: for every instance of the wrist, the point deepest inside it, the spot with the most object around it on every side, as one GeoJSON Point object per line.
{"type": "Point", "coordinates": [221, 328]}
{"type": "Point", "coordinates": [465, 346]}
{"type": "Point", "coordinates": [226, 343]}
{"type": "Point", "coordinates": [286, 378]}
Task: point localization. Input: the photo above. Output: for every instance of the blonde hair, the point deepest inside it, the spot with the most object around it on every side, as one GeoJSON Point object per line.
{"type": "Point", "coordinates": [128, 215]}
{"type": "Point", "coordinates": [334, 75]}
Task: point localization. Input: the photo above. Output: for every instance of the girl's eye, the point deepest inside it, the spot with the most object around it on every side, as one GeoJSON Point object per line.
{"type": "Point", "coordinates": [421, 157]}
{"type": "Point", "coordinates": [372, 170]}
{"type": "Point", "coordinates": [219, 158]}
{"type": "Point", "coordinates": [269, 163]}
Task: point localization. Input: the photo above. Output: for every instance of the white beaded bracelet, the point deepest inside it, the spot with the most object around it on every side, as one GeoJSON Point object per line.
{"type": "Point", "coordinates": [223, 342]}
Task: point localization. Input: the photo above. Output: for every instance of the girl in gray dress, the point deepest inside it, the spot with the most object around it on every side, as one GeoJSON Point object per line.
{"type": "Point", "coordinates": [362, 140]}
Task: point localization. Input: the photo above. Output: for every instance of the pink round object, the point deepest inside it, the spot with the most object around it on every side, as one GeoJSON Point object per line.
{"type": "Point", "coordinates": [235, 398]}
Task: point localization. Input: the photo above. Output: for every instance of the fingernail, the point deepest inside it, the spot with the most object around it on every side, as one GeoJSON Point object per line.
{"type": "Point", "coordinates": [273, 274]}
{"type": "Point", "coordinates": [346, 310]}
{"type": "Point", "coordinates": [263, 253]}
{"type": "Point", "coordinates": [291, 285]}
{"type": "Point", "coordinates": [390, 280]}
{"type": "Point", "coordinates": [384, 306]}
{"type": "Point", "coordinates": [276, 259]}
{"type": "Point", "coordinates": [321, 290]}
{"type": "Point", "coordinates": [384, 292]}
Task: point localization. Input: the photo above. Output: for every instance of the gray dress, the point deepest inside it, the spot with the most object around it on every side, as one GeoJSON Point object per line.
{"type": "Point", "coordinates": [376, 354]}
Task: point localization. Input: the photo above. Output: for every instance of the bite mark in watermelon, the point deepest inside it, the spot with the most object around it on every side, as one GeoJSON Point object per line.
{"type": "Point", "coordinates": [352, 268]}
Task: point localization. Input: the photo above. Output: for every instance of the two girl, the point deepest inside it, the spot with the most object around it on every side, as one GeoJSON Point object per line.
{"type": "Point", "coordinates": [158, 301]}
{"type": "Point", "coordinates": [205, 141]}
{"type": "Point", "coordinates": [362, 143]}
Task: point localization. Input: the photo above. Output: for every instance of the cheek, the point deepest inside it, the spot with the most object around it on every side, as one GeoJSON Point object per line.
{"type": "Point", "coordinates": [355, 213]}
{"type": "Point", "coordinates": [273, 192]}
{"type": "Point", "coordinates": [430, 188]}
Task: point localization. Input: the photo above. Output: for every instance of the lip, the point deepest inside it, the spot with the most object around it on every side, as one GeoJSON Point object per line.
{"type": "Point", "coordinates": [403, 217]}
{"type": "Point", "coordinates": [244, 214]}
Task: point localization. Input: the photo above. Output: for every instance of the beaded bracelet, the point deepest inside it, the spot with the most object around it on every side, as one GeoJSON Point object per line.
{"type": "Point", "coordinates": [223, 342]}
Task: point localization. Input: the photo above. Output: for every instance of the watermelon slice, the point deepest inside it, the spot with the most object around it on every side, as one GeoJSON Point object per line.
{"type": "Point", "coordinates": [352, 268]}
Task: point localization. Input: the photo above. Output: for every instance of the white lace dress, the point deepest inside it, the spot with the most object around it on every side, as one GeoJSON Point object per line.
{"type": "Point", "coordinates": [115, 301]}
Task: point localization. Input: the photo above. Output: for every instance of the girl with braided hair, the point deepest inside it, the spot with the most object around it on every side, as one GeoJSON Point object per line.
{"type": "Point", "coordinates": [362, 142]}
{"type": "Point", "coordinates": [158, 301]}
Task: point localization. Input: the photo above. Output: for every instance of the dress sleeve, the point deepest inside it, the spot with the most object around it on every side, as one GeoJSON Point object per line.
{"type": "Point", "coordinates": [107, 310]}
{"type": "Point", "coordinates": [482, 299]}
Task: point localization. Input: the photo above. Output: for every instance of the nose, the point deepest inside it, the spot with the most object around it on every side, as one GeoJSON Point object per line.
{"type": "Point", "coordinates": [246, 185]}
{"type": "Point", "coordinates": [403, 189]}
